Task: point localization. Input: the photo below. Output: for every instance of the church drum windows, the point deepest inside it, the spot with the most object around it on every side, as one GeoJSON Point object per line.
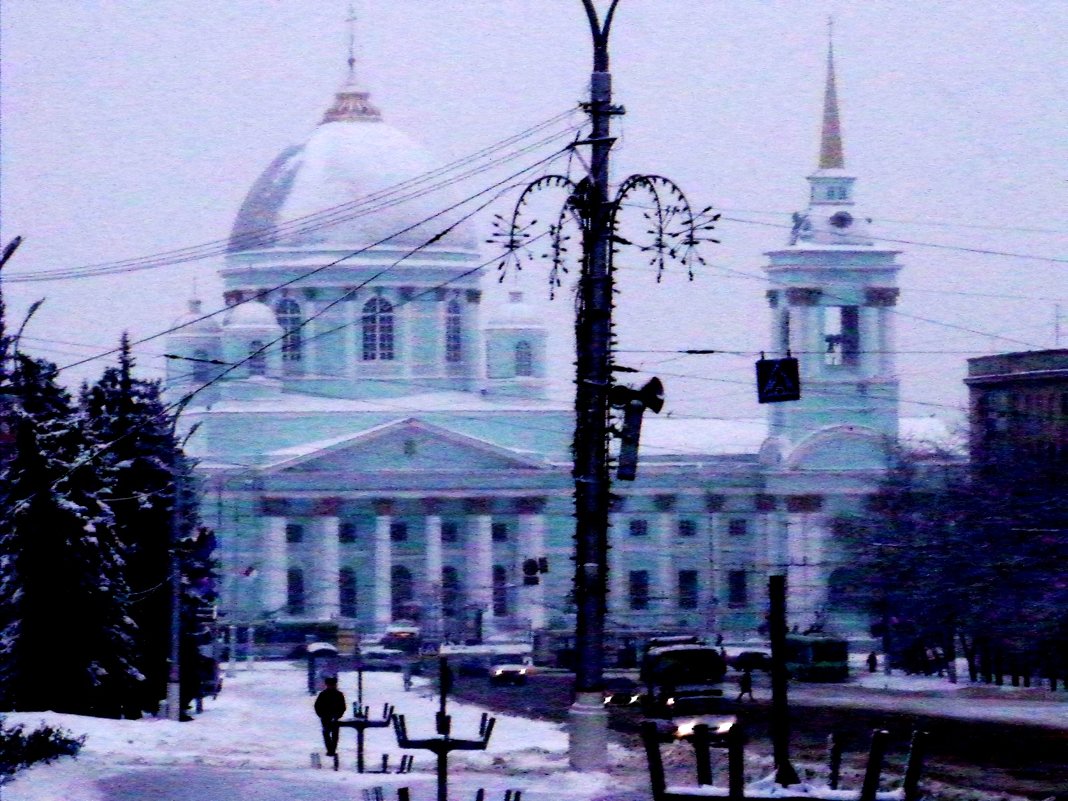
{"type": "Point", "coordinates": [377, 330]}
{"type": "Point", "coordinates": [201, 367]}
{"type": "Point", "coordinates": [257, 358]}
{"type": "Point", "coordinates": [287, 312]}
{"type": "Point", "coordinates": [524, 359]}
{"type": "Point", "coordinates": [454, 352]}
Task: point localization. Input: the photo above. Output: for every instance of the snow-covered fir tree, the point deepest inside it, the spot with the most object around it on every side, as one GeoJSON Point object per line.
{"type": "Point", "coordinates": [66, 641]}
{"type": "Point", "coordinates": [135, 440]}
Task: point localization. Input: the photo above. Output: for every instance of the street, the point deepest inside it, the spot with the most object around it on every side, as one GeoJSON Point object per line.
{"type": "Point", "coordinates": [979, 739]}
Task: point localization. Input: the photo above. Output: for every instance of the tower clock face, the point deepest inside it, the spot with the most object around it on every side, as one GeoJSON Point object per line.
{"type": "Point", "coordinates": [842, 219]}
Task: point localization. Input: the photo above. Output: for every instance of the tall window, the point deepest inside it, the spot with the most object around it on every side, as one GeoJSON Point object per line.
{"type": "Point", "coordinates": [453, 333]}
{"type": "Point", "coordinates": [257, 358]}
{"type": "Point", "coordinates": [688, 589]}
{"type": "Point", "coordinates": [500, 591]}
{"type": "Point", "coordinates": [737, 588]}
{"type": "Point", "coordinates": [398, 531]}
{"type": "Point", "coordinates": [294, 532]}
{"type": "Point", "coordinates": [784, 330]}
{"type": "Point", "coordinates": [450, 531]}
{"type": "Point", "coordinates": [201, 367]}
{"type": "Point", "coordinates": [499, 532]}
{"type": "Point", "coordinates": [346, 532]}
{"type": "Point", "coordinates": [403, 591]}
{"type": "Point", "coordinates": [687, 527]}
{"type": "Point", "coordinates": [287, 312]}
{"type": "Point", "coordinates": [524, 358]}
{"type": "Point", "coordinates": [295, 592]}
{"type": "Point", "coordinates": [639, 589]}
{"type": "Point", "coordinates": [377, 325]}
{"type": "Point", "coordinates": [346, 586]}
{"type": "Point", "coordinates": [738, 526]}
{"type": "Point", "coordinates": [450, 591]}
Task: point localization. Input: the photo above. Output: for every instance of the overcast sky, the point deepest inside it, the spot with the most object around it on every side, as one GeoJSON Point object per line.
{"type": "Point", "coordinates": [131, 128]}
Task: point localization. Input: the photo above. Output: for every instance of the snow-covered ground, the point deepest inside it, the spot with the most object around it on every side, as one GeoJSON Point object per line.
{"type": "Point", "coordinates": [263, 721]}
{"type": "Point", "coordinates": [255, 743]}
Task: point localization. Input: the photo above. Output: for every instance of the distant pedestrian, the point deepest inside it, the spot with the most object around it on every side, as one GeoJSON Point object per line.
{"type": "Point", "coordinates": [873, 662]}
{"type": "Point", "coordinates": [745, 685]}
{"type": "Point", "coordinates": [330, 706]}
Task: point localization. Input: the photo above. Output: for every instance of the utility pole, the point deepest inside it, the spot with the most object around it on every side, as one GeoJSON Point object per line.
{"type": "Point", "coordinates": [174, 674]}
{"type": "Point", "coordinates": [593, 330]}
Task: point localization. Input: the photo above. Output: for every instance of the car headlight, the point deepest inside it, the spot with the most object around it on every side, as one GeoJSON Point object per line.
{"type": "Point", "coordinates": [669, 702]}
{"type": "Point", "coordinates": [523, 672]}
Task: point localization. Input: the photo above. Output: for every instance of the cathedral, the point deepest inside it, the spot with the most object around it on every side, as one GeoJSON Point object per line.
{"type": "Point", "coordinates": [374, 447]}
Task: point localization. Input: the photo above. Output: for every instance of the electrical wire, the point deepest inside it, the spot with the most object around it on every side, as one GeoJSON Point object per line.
{"type": "Point", "coordinates": [363, 205]}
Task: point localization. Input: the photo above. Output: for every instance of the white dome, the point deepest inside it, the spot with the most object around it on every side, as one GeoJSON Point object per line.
{"type": "Point", "coordinates": [253, 314]}
{"type": "Point", "coordinates": [190, 324]}
{"type": "Point", "coordinates": [352, 155]}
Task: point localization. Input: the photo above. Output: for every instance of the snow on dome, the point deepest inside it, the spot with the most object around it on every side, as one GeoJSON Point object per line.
{"type": "Point", "coordinates": [190, 324]}
{"type": "Point", "coordinates": [343, 162]}
{"type": "Point", "coordinates": [253, 314]}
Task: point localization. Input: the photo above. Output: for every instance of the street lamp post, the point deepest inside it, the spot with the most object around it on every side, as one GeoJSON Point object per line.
{"type": "Point", "coordinates": [673, 232]}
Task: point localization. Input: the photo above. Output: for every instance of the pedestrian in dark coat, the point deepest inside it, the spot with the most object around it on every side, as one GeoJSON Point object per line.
{"type": "Point", "coordinates": [745, 685]}
{"type": "Point", "coordinates": [330, 706]}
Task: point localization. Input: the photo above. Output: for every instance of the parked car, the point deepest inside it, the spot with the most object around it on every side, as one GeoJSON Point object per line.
{"type": "Point", "coordinates": [751, 660]}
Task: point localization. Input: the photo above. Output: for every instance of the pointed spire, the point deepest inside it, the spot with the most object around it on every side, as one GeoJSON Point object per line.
{"type": "Point", "coordinates": [351, 102]}
{"type": "Point", "coordinates": [831, 155]}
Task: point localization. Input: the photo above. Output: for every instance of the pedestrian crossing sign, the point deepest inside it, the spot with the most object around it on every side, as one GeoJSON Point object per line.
{"type": "Point", "coordinates": [778, 380]}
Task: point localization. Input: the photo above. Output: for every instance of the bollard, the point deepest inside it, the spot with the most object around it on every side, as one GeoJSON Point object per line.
{"type": "Point", "coordinates": [834, 759]}
{"type": "Point", "coordinates": [875, 765]}
{"type": "Point", "coordinates": [914, 767]}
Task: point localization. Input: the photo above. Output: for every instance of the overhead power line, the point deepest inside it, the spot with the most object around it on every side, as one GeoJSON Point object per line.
{"type": "Point", "coordinates": [399, 193]}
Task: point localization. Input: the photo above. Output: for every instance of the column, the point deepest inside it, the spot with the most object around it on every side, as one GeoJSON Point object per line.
{"type": "Point", "coordinates": [479, 547]}
{"type": "Point", "coordinates": [432, 603]}
{"type": "Point", "coordinates": [323, 581]}
{"type": "Point", "coordinates": [274, 566]}
{"type": "Point", "coordinates": [666, 584]}
{"type": "Point", "coordinates": [531, 542]}
{"type": "Point", "coordinates": [383, 564]}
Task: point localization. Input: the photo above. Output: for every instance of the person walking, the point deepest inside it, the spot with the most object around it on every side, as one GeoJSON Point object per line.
{"type": "Point", "coordinates": [330, 706]}
{"type": "Point", "coordinates": [745, 685]}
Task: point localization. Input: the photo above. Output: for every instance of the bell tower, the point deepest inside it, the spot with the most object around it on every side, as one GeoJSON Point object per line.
{"type": "Point", "coordinates": [832, 296]}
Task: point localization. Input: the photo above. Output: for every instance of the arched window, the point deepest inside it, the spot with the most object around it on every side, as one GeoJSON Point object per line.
{"type": "Point", "coordinates": [450, 591]}
{"type": "Point", "coordinates": [500, 591]}
{"type": "Point", "coordinates": [453, 337]}
{"type": "Point", "coordinates": [201, 367]}
{"type": "Point", "coordinates": [402, 592]}
{"type": "Point", "coordinates": [524, 358]}
{"type": "Point", "coordinates": [378, 330]}
{"type": "Point", "coordinates": [287, 312]}
{"type": "Point", "coordinates": [257, 358]}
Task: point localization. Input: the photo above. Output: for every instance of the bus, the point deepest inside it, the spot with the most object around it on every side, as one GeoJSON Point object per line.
{"type": "Point", "coordinates": [817, 657]}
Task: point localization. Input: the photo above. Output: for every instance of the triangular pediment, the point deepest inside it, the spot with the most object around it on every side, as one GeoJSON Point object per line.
{"type": "Point", "coordinates": [402, 445]}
